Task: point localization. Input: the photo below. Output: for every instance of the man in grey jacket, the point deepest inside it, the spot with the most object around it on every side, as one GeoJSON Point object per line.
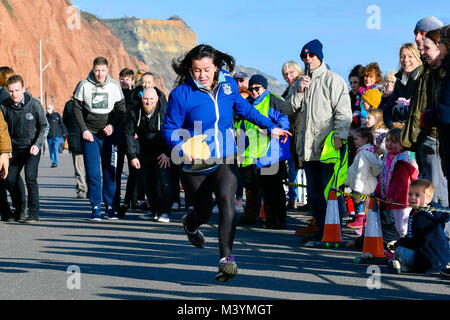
{"type": "Point", "coordinates": [320, 103]}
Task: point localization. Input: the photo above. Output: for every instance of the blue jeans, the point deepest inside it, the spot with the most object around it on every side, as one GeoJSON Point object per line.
{"type": "Point", "coordinates": [293, 178]}
{"type": "Point", "coordinates": [101, 152]}
{"type": "Point", "coordinates": [317, 177]}
{"type": "Point", "coordinates": [53, 149]}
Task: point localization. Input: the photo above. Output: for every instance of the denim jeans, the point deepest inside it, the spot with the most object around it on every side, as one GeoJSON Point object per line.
{"type": "Point", "coordinates": [100, 161]}
{"type": "Point", "coordinates": [53, 149]}
{"type": "Point", "coordinates": [293, 178]}
{"type": "Point", "coordinates": [405, 256]}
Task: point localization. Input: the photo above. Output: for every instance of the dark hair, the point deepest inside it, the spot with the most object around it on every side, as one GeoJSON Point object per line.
{"type": "Point", "coordinates": [126, 72]}
{"type": "Point", "coordinates": [433, 35]}
{"type": "Point", "coordinates": [395, 133]}
{"type": "Point", "coordinates": [148, 73]}
{"type": "Point", "coordinates": [183, 65]}
{"type": "Point", "coordinates": [356, 71]}
{"type": "Point", "coordinates": [365, 132]}
{"type": "Point", "coordinates": [14, 79]}
{"type": "Point", "coordinates": [372, 69]}
{"type": "Point", "coordinates": [100, 61]}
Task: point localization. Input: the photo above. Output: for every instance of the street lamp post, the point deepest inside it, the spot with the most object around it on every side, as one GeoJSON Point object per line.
{"type": "Point", "coordinates": [41, 70]}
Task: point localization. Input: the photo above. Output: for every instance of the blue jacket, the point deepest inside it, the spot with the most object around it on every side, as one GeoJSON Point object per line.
{"type": "Point", "coordinates": [194, 110]}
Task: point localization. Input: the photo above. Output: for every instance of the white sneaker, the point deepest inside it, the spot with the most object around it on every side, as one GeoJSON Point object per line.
{"type": "Point", "coordinates": [164, 218]}
{"type": "Point", "coordinates": [215, 209]}
{"type": "Point", "coordinates": [238, 209]}
{"type": "Point", "coordinates": [175, 206]}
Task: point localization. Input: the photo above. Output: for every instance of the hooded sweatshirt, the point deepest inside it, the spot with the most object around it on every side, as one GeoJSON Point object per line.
{"type": "Point", "coordinates": [27, 124]}
{"type": "Point", "coordinates": [97, 105]}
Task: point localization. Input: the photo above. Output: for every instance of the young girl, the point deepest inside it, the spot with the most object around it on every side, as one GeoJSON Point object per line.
{"type": "Point", "coordinates": [378, 128]}
{"type": "Point", "coordinates": [393, 186]}
{"type": "Point", "coordinates": [362, 174]}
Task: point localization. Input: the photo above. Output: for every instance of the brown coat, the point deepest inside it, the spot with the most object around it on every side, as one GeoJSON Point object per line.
{"type": "Point", "coordinates": [5, 139]}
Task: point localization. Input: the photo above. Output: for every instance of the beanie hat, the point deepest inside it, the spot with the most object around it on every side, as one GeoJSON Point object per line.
{"type": "Point", "coordinates": [373, 97]}
{"type": "Point", "coordinates": [315, 47]}
{"type": "Point", "coordinates": [444, 35]}
{"type": "Point", "coordinates": [258, 79]}
{"type": "Point", "coordinates": [428, 24]}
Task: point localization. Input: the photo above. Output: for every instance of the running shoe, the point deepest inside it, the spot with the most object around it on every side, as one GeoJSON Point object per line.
{"type": "Point", "coordinates": [227, 269]}
{"type": "Point", "coordinates": [196, 237]}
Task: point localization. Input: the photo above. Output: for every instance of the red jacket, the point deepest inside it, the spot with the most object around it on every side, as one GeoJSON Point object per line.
{"type": "Point", "coordinates": [404, 173]}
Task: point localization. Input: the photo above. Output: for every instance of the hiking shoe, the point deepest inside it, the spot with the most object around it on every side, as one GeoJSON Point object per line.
{"type": "Point", "coordinates": [196, 237]}
{"type": "Point", "coordinates": [306, 231]}
{"type": "Point", "coordinates": [96, 214]}
{"type": "Point", "coordinates": [164, 218]}
{"type": "Point", "coordinates": [30, 220]}
{"type": "Point", "coordinates": [227, 269]}
{"type": "Point", "coordinates": [110, 214]}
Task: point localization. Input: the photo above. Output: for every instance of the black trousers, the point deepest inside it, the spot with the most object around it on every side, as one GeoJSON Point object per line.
{"type": "Point", "coordinates": [23, 159]}
{"type": "Point", "coordinates": [158, 184]}
{"type": "Point", "coordinates": [134, 189]}
{"type": "Point", "coordinates": [17, 198]}
{"type": "Point", "coordinates": [223, 182]}
{"type": "Point", "coordinates": [273, 193]}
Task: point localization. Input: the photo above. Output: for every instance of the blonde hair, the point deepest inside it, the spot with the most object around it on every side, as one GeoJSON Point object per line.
{"type": "Point", "coordinates": [389, 74]}
{"type": "Point", "coordinates": [378, 115]}
{"type": "Point", "coordinates": [412, 47]}
{"type": "Point", "coordinates": [291, 64]}
{"type": "Point", "coordinates": [425, 185]}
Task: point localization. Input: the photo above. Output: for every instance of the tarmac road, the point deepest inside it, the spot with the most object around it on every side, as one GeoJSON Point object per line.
{"type": "Point", "coordinates": [133, 259]}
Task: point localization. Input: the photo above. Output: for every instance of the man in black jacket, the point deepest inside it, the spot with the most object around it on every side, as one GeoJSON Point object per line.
{"type": "Point", "coordinates": [28, 128]}
{"type": "Point", "coordinates": [153, 157]}
{"type": "Point", "coordinates": [57, 131]}
{"type": "Point", "coordinates": [75, 147]}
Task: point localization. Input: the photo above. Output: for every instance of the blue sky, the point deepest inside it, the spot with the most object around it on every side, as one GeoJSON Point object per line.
{"type": "Point", "coordinates": [266, 33]}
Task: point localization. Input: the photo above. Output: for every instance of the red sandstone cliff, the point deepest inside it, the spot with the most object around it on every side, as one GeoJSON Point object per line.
{"type": "Point", "coordinates": [72, 46]}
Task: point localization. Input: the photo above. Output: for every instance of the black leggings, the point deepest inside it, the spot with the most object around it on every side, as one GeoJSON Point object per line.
{"type": "Point", "coordinates": [223, 182]}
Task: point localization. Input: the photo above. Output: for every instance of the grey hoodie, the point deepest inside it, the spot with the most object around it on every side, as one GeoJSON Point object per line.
{"type": "Point", "coordinates": [97, 105]}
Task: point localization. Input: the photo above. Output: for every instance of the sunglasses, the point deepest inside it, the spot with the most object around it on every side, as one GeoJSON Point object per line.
{"type": "Point", "coordinates": [240, 80]}
{"type": "Point", "coordinates": [254, 88]}
{"type": "Point", "coordinates": [311, 55]}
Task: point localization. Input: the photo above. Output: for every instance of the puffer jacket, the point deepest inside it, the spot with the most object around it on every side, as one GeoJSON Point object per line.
{"type": "Point", "coordinates": [323, 108]}
{"type": "Point", "coordinates": [194, 110]}
{"type": "Point", "coordinates": [362, 175]}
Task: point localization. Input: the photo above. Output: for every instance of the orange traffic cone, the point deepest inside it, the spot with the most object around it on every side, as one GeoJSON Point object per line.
{"type": "Point", "coordinates": [262, 212]}
{"type": "Point", "coordinates": [373, 238]}
{"type": "Point", "coordinates": [332, 229]}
